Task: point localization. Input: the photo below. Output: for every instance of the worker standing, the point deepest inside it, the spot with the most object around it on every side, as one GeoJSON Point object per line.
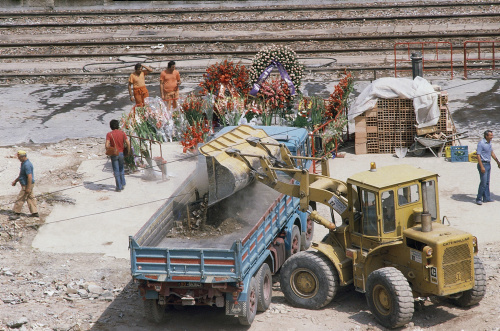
{"type": "Point", "coordinates": [170, 80]}
{"type": "Point", "coordinates": [27, 179]}
{"type": "Point", "coordinates": [484, 155]}
{"type": "Point", "coordinates": [137, 82]}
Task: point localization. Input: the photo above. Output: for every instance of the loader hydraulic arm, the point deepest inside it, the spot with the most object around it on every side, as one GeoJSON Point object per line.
{"type": "Point", "coordinates": [246, 153]}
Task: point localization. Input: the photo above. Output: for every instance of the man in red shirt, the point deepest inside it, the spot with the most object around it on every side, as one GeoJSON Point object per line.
{"type": "Point", "coordinates": [169, 85]}
{"type": "Point", "coordinates": [137, 80]}
{"type": "Point", "coordinates": [117, 138]}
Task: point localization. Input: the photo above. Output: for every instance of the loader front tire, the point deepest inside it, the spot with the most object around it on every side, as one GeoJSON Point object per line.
{"type": "Point", "coordinates": [154, 312]}
{"type": "Point", "coordinates": [475, 294]}
{"type": "Point", "coordinates": [389, 297]}
{"type": "Point", "coordinates": [309, 280]}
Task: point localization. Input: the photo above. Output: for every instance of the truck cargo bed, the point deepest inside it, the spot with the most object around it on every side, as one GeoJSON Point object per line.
{"type": "Point", "coordinates": [245, 207]}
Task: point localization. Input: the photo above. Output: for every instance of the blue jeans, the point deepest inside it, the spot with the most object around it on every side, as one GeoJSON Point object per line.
{"type": "Point", "coordinates": [483, 193]}
{"type": "Point", "coordinates": [117, 163]}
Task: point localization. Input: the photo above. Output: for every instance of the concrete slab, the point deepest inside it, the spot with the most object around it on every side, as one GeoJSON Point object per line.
{"type": "Point", "coordinates": [350, 30]}
{"type": "Point", "coordinates": [402, 28]}
{"type": "Point", "coordinates": [368, 29]}
{"type": "Point", "coordinates": [456, 27]}
{"type": "Point", "coordinates": [489, 26]}
{"type": "Point", "coordinates": [420, 28]}
{"type": "Point", "coordinates": [102, 220]}
{"type": "Point", "coordinates": [386, 29]}
{"type": "Point", "coordinates": [438, 28]}
{"type": "Point", "coordinates": [167, 33]}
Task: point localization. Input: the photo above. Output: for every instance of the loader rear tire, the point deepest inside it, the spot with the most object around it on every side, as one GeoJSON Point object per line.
{"type": "Point", "coordinates": [264, 280]}
{"type": "Point", "coordinates": [309, 280]}
{"type": "Point", "coordinates": [475, 294]}
{"type": "Point", "coordinates": [389, 297]}
{"type": "Point", "coordinates": [154, 312]}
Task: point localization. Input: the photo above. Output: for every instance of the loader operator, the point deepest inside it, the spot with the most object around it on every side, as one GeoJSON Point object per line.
{"type": "Point", "coordinates": [484, 155]}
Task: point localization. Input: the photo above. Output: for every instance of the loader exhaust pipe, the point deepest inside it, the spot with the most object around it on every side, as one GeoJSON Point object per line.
{"type": "Point", "coordinates": [426, 216]}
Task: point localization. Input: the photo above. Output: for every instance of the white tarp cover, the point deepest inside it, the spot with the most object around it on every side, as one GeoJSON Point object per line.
{"type": "Point", "coordinates": [420, 90]}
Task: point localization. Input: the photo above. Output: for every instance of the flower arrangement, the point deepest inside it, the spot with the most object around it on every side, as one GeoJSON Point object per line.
{"type": "Point", "coordinates": [233, 76]}
{"type": "Point", "coordinates": [283, 54]}
{"type": "Point", "coordinates": [192, 108]}
{"type": "Point", "coordinates": [338, 100]}
{"type": "Point", "coordinates": [230, 109]}
{"type": "Point", "coordinates": [194, 135]}
{"type": "Point", "coordinates": [334, 132]}
{"type": "Point", "coordinates": [276, 98]}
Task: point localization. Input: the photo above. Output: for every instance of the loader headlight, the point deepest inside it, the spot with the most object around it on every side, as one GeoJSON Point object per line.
{"type": "Point", "coordinates": [474, 241]}
{"type": "Point", "coordinates": [428, 251]}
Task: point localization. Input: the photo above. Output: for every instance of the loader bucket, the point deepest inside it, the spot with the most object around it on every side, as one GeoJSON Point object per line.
{"type": "Point", "coordinates": [228, 173]}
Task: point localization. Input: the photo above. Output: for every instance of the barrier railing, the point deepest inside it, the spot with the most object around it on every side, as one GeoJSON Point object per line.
{"type": "Point", "coordinates": [483, 52]}
{"type": "Point", "coordinates": [430, 55]}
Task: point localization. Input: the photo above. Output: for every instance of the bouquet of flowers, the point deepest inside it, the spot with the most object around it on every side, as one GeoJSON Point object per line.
{"type": "Point", "coordinates": [233, 76]}
{"type": "Point", "coordinates": [338, 100]}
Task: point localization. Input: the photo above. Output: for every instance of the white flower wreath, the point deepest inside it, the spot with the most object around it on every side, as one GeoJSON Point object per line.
{"type": "Point", "coordinates": [284, 55]}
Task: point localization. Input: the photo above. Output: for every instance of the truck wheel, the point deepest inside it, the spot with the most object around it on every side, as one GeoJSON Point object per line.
{"type": "Point", "coordinates": [309, 280]}
{"type": "Point", "coordinates": [294, 243]}
{"type": "Point", "coordinates": [308, 233]}
{"type": "Point", "coordinates": [154, 312]}
{"type": "Point", "coordinates": [250, 304]}
{"type": "Point", "coordinates": [475, 294]}
{"type": "Point", "coordinates": [265, 287]}
{"type": "Point", "coordinates": [390, 297]}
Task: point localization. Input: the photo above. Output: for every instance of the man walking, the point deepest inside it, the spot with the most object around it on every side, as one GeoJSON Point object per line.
{"type": "Point", "coordinates": [484, 154]}
{"type": "Point", "coordinates": [137, 84]}
{"type": "Point", "coordinates": [27, 180]}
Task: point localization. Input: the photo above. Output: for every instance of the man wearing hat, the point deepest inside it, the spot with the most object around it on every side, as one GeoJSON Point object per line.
{"type": "Point", "coordinates": [27, 180]}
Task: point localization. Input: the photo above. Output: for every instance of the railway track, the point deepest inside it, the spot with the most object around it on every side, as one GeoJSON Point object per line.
{"type": "Point", "coordinates": [97, 36]}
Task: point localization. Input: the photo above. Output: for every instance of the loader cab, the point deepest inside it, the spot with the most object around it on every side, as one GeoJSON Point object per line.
{"type": "Point", "coordinates": [385, 202]}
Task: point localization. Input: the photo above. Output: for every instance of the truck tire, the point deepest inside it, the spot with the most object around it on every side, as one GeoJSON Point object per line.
{"type": "Point", "coordinates": [154, 312]}
{"type": "Point", "coordinates": [309, 280]}
{"type": "Point", "coordinates": [250, 304]}
{"type": "Point", "coordinates": [308, 234]}
{"type": "Point", "coordinates": [389, 297]}
{"type": "Point", "coordinates": [294, 243]}
{"type": "Point", "coordinates": [475, 294]}
{"type": "Point", "coordinates": [264, 280]}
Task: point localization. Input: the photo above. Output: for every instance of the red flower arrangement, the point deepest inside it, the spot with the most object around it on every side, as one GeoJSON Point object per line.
{"type": "Point", "coordinates": [234, 76]}
{"type": "Point", "coordinates": [192, 107]}
{"type": "Point", "coordinates": [194, 134]}
{"type": "Point", "coordinates": [337, 102]}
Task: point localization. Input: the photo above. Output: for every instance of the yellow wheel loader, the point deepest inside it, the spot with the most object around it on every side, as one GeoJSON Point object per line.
{"type": "Point", "coordinates": [391, 243]}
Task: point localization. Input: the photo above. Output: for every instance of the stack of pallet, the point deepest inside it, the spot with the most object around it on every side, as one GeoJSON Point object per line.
{"type": "Point", "coordinates": [392, 123]}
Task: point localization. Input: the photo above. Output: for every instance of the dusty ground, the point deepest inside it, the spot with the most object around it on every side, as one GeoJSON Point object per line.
{"type": "Point", "coordinates": [46, 291]}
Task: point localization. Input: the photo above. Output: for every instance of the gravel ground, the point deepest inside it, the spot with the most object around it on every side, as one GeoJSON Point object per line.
{"type": "Point", "coordinates": [46, 291]}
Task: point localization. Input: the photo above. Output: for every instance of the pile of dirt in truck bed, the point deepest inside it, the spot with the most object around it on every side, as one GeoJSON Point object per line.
{"type": "Point", "coordinates": [185, 229]}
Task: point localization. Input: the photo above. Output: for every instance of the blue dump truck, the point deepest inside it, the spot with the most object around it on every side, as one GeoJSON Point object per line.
{"type": "Point", "coordinates": [232, 270]}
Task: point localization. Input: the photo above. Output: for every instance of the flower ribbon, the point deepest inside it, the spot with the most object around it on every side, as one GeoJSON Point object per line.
{"type": "Point", "coordinates": [263, 76]}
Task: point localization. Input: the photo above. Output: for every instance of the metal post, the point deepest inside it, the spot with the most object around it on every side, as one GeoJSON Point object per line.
{"type": "Point", "coordinates": [416, 65]}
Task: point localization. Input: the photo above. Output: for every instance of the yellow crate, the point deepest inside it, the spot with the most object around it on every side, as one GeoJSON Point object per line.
{"type": "Point", "coordinates": [473, 157]}
{"type": "Point", "coordinates": [447, 152]}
